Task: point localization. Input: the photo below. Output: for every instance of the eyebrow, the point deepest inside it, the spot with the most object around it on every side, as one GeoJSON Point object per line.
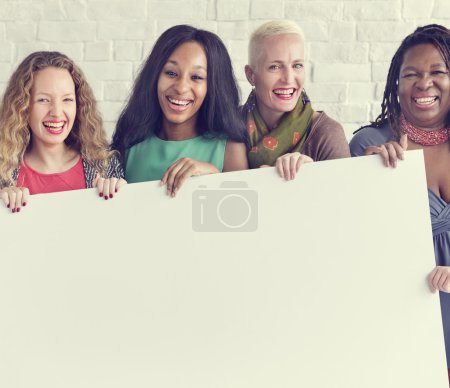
{"type": "Point", "coordinates": [173, 62]}
{"type": "Point", "coordinates": [278, 61]}
{"type": "Point", "coordinates": [49, 94]}
{"type": "Point", "coordinates": [433, 66]}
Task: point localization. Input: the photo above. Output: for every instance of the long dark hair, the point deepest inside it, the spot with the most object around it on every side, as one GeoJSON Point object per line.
{"type": "Point", "coordinates": [218, 114]}
{"type": "Point", "coordinates": [435, 34]}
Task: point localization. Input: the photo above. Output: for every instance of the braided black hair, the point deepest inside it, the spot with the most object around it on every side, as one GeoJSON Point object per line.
{"type": "Point", "coordinates": [435, 34]}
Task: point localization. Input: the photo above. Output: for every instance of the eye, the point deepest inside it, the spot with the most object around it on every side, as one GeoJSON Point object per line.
{"type": "Point", "coordinates": [68, 99]}
{"type": "Point", "coordinates": [439, 72]}
{"type": "Point", "coordinates": [298, 66]}
{"type": "Point", "coordinates": [170, 73]}
{"type": "Point", "coordinates": [274, 67]}
{"type": "Point", "coordinates": [409, 75]}
{"type": "Point", "coordinates": [43, 100]}
{"type": "Point", "coordinates": [197, 77]}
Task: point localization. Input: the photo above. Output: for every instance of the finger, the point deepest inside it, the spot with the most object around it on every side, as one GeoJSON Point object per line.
{"type": "Point", "coordinates": [384, 155]}
{"type": "Point", "coordinates": [12, 199]}
{"type": "Point", "coordinates": [372, 150]}
{"type": "Point", "coordinates": [112, 186]}
{"type": "Point", "coordinates": [25, 196]}
{"type": "Point", "coordinates": [279, 166]}
{"type": "Point", "coordinates": [18, 202]}
{"type": "Point", "coordinates": [430, 280]}
{"type": "Point", "coordinates": [404, 141]}
{"type": "Point", "coordinates": [184, 173]}
{"type": "Point", "coordinates": [120, 183]}
{"type": "Point", "coordinates": [106, 190]}
{"type": "Point", "coordinates": [99, 185]}
{"type": "Point", "coordinates": [392, 155]}
{"type": "Point", "coordinates": [442, 279]}
{"type": "Point", "coordinates": [5, 197]}
{"type": "Point", "coordinates": [95, 181]}
{"type": "Point", "coordinates": [399, 150]}
{"type": "Point", "coordinates": [165, 176]}
{"type": "Point", "coordinates": [436, 278]}
{"type": "Point", "coordinates": [286, 167]}
{"type": "Point", "coordinates": [172, 175]}
{"type": "Point", "coordinates": [293, 166]}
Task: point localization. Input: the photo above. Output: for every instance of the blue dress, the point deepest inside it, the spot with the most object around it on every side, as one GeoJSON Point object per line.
{"type": "Point", "coordinates": [439, 214]}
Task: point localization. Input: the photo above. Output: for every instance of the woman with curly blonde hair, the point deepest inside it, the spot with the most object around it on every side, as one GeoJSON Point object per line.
{"type": "Point", "coordinates": [51, 133]}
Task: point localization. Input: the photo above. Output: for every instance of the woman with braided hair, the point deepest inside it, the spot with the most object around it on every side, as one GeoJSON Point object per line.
{"type": "Point", "coordinates": [415, 115]}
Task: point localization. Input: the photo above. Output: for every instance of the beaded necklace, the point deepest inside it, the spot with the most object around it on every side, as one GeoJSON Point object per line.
{"type": "Point", "coordinates": [425, 138]}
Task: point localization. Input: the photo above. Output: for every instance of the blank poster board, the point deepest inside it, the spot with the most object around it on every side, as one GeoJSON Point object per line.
{"type": "Point", "coordinates": [316, 282]}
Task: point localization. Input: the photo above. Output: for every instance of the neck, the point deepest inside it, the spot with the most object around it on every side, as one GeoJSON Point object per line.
{"type": "Point", "coordinates": [178, 132]}
{"type": "Point", "coordinates": [271, 118]}
{"type": "Point", "coordinates": [424, 137]}
{"type": "Point", "coordinates": [50, 158]}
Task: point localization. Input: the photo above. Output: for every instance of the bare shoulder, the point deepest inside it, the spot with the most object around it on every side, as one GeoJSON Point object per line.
{"type": "Point", "coordinates": [235, 156]}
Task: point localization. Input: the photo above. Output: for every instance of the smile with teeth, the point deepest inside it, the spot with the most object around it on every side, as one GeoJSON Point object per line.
{"type": "Point", "coordinates": [54, 127]}
{"type": "Point", "coordinates": [424, 100]}
{"type": "Point", "coordinates": [284, 92]}
{"type": "Point", "coordinates": [179, 102]}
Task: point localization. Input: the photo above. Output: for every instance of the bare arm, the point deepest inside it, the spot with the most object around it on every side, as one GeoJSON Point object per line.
{"type": "Point", "coordinates": [235, 158]}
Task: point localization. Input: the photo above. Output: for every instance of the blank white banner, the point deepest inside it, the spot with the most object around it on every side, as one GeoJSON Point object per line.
{"type": "Point", "coordinates": [248, 282]}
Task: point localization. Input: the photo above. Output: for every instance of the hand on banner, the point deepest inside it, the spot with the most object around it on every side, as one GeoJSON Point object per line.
{"type": "Point", "coordinates": [181, 170]}
{"type": "Point", "coordinates": [15, 197]}
{"type": "Point", "coordinates": [288, 165]}
{"type": "Point", "coordinates": [439, 279]}
{"type": "Point", "coordinates": [107, 187]}
{"type": "Point", "coordinates": [390, 151]}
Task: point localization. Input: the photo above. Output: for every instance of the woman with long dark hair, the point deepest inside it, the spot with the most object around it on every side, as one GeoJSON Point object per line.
{"type": "Point", "coordinates": [182, 116]}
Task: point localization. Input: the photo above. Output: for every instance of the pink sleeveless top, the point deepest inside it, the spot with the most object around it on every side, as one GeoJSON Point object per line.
{"type": "Point", "coordinates": [38, 183]}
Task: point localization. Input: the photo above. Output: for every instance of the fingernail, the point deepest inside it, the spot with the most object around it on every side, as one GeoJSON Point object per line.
{"type": "Point", "coordinates": [100, 194]}
{"type": "Point", "coordinates": [110, 195]}
{"type": "Point", "coordinates": [115, 190]}
{"type": "Point", "coordinates": [7, 205]}
{"type": "Point", "coordinates": [24, 204]}
{"type": "Point", "coordinates": [18, 209]}
{"type": "Point", "coordinates": [13, 210]}
{"type": "Point", "coordinates": [106, 197]}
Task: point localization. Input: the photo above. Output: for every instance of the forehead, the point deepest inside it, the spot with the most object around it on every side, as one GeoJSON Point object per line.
{"type": "Point", "coordinates": [422, 54]}
{"type": "Point", "coordinates": [189, 53]}
{"type": "Point", "coordinates": [53, 79]}
{"type": "Point", "coordinates": [282, 47]}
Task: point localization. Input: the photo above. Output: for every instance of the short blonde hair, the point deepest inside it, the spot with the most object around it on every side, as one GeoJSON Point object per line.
{"type": "Point", "coordinates": [272, 28]}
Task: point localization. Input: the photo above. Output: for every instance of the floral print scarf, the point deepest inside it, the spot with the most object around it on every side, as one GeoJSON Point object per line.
{"type": "Point", "coordinates": [288, 136]}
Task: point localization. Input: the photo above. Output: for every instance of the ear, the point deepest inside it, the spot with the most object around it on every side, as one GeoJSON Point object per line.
{"type": "Point", "coordinates": [250, 74]}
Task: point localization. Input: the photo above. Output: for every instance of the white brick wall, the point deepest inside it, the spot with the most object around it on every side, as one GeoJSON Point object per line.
{"type": "Point", "coordinates": [349, 42]}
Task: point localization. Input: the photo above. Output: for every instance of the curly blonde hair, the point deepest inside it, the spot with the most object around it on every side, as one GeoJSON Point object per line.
{"type": "Point", "coordinates": [87, 136]}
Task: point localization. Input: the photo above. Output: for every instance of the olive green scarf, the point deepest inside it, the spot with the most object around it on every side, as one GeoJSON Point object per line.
{"type": "Point", "coordinates": [288, 136]}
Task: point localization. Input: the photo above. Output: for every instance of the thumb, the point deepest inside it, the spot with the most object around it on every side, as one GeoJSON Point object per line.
{"type": "Point", "coordinates": [95, 181]}
{"type": "Point", "coordinates": [404, 141]}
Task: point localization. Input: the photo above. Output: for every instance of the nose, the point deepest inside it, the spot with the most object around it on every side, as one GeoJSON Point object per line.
{"type": "Point", "coordinates": [182, 84]}
{"type": "Point", "coordinates": [425, 81]}
{"type": "Point", "coordinates": [287, 74]}
{"type": "Point", "coordinates": [56, 109]}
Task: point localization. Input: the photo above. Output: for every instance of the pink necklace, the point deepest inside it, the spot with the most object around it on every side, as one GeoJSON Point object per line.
{"type": "Point", "coordinates": [425, 138]}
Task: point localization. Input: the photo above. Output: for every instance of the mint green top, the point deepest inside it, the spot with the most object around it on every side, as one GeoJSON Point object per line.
{"type": "Point", "coordinates": [149, 159]}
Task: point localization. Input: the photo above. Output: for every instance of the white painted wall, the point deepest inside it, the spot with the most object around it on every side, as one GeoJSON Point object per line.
{"type": "Point", "coordinates": [349, 42]}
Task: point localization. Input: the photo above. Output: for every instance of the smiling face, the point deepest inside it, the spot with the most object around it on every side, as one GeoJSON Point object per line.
{"type": "Point", "coordinates": [278, 75]}
{"type": "Point", "coordinates": [424, 87]}
{"type": "Point", "coordinates": [182, 88]}
{"type": "Point", "coordinates": [53, 106]}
